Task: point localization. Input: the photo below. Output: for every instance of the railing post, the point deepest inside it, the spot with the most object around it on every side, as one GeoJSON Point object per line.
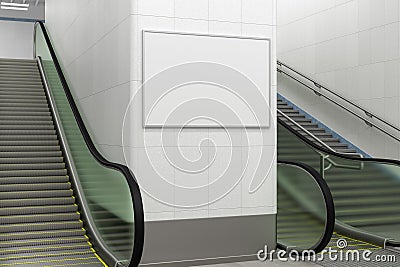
{"type": "Point", "coordinates": [322, 165]}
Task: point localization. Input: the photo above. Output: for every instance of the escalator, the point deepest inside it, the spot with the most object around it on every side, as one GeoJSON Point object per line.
{"type": "Point", "coordinates": [306, 212]}
{"type": "Point", "coordinates": [365, 190]}
{"type": "Point", "coordinates": [61, 202]}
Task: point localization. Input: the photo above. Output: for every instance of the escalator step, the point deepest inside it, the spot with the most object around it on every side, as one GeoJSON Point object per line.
{"type": "Point", "coordinates": [63, 260]}
{"type": "Point", "coordinates": [38, 210]}
{"type": "Point", "coordinates": [75, 231]}
{"type": "Point", "coordinates": [40, 223]}
{"type": "Point", "coordinates": [37, 202]}
{"type": "Point", "coordinates": [44, 248]}
{"type": "Point", "coordinates": [29, 148]}
{"type": "Point", "coordinates": [43, 256]}
{"type": "Point", "coordinates": [26, 127]}
{"type": "Point", "coordinates": [29, 154]}
{"type": "Point", "coordinates": [33, 166]}
{"type": "Point", "coordinates": [44, 241]}
{"type": "Point", "coordinates": [367, 211]}
{"type": "Point", "coordinates": [28, 227]}
{"type": "Point", "coordinates": [34, 187]}
{"type": "Point", "coordinates": [21, 118]}
{"type": "Point", "coordinates": [34, 218]}
{"type": "Point", "coordinates": [29, 93]}
{"type": "Point", "coordinates": [25, 161]}
{"type": "Point", "coordinates": [25, 173]}
{"type": "Point", "coordinates": [31, 143]}
{"type": "Point", "coordinates": [36, 194]}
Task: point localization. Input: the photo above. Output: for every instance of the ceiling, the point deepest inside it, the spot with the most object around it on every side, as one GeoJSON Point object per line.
{"type": "Point", "coordinates": [36, 10]}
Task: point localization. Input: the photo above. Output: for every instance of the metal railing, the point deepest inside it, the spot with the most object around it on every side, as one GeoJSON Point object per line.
{"type": "Point", "coordinates": [318, 89]}
{"type": "Point", "coordinates": [325, 157]}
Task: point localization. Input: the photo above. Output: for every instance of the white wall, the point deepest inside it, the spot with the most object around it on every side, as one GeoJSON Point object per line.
{"type": "Point", "coordinates": [16, 39]}
{"type": "Point", "coordinates": [227, 17]}
{"type": "Point", "coordinates": [94, 48]}
{"type": "Point", "coordinates": [100, 48]}
{"type": "Point", "coordinates": [353, 48]}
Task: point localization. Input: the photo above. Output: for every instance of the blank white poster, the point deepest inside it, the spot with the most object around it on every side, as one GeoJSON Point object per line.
{"type": "Point", "coordinates": [198, 80]}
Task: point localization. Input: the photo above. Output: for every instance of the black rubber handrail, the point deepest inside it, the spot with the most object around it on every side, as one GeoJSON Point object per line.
{"type": "Point", "coordinates": [130, 178]}
{"type": "Point", "coordinates": [329, 205]}
{"type": "Point", "coordinates": [339, 155]}
{"type": "Point", "coordinates": [319, 93]}
{"type": "Point", "coordinates": [389, 242]}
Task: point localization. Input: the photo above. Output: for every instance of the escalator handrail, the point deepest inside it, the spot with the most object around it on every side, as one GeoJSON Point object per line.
{"type": "Point", "coordinates": [339, 155]}
{"type": "Point", "coordinates": [129, 176]}
{"type": "Point", "coordinates": [329, 205]}
{"type": "Point", "coordinates": [343, 156]}
{"type": "Point", "coordinates": [369, 114]}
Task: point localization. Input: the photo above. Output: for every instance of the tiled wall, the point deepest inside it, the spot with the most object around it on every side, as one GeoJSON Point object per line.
{"type": "Point", "coordinates": [239, 18]}
{"type": "Point", "coordinates": [16, 39]}
{"type": "Point", "coordinates": [101, 51]}
{"type": "Point", "coordinates": [353, 48]}
{"type": "Point", "coordinates": [94, 48]}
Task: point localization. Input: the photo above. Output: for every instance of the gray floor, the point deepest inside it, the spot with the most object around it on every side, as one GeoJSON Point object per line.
{"type": "Point", "coordinates": [275, 263]}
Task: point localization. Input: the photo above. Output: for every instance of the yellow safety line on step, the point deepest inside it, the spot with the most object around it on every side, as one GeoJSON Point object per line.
{"type": "Point", "coordinates": [46, 255]}
{"type": "Point", "coordinates": [75, 264]}
{"type": "Point", "coordinates": [346, 237]}
{"type": "Point", "coordinates": [101, 260]}
{"type": "Point", "coordinates": [93, 250]}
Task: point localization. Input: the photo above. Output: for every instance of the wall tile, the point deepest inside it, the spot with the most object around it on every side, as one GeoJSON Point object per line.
{"type": "Point", "coordinates": [252, 179]}
{"type": "Point", "coordinates": [158, 216]}
{"type": "Point", "coordinates": [377, 80]}
{"type": "Point", "coordinates": [258, 11]}
{"type": "Point", "coordinates": [191, 177]}
{"type": "Point", "coordinates": [191, 25]}
{"type": "Point", "coordinates": [391, 11]}
{"type": "Point", "coordinates": [191, 9]}
{"type": "Point", "coordinates": [346, 18]}
{"type": "Point", "coordinates": [225, 212]}
{"type": "Point", "coordinates": [363, 14]}
{"type": "Point", "coordinates": [192, 137]}
{"type": "Point", "coordinates": [219, 11]}
{"type": "Point", "coordinates": [156, 7]}
{"type": "Point", "coordinates": [182, 214]}
{"type": "Point", "coordinates": [392, 48]}
{"type": "Point", "coordinates": [377, 46]}
{"type": "Point", "coordinates": [364, 47]}
{"type": "Point", "coordinates": [377, 13]}
{"type": "Point", "coordinates": [226, 137]}
{"type": "Point", "coordinates": [392, 79]}
{"type": "Point", "coordinates": [225, 175]}
{"type": "Point", "coordinates": [155, 176]}
{"type": "Point", "coordinates": [225, 28]}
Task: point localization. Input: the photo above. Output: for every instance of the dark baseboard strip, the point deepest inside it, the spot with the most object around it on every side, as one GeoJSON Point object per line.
{"type": "Point", "coordinates": [202, 262]}
{"type": "Point", "coordinates": [207, 241]}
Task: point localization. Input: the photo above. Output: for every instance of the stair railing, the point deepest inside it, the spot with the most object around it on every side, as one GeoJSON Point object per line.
{"type": "Point", "coordinates": [319, 90]}
{"type": "Point", "coordinates": [325, 161]}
